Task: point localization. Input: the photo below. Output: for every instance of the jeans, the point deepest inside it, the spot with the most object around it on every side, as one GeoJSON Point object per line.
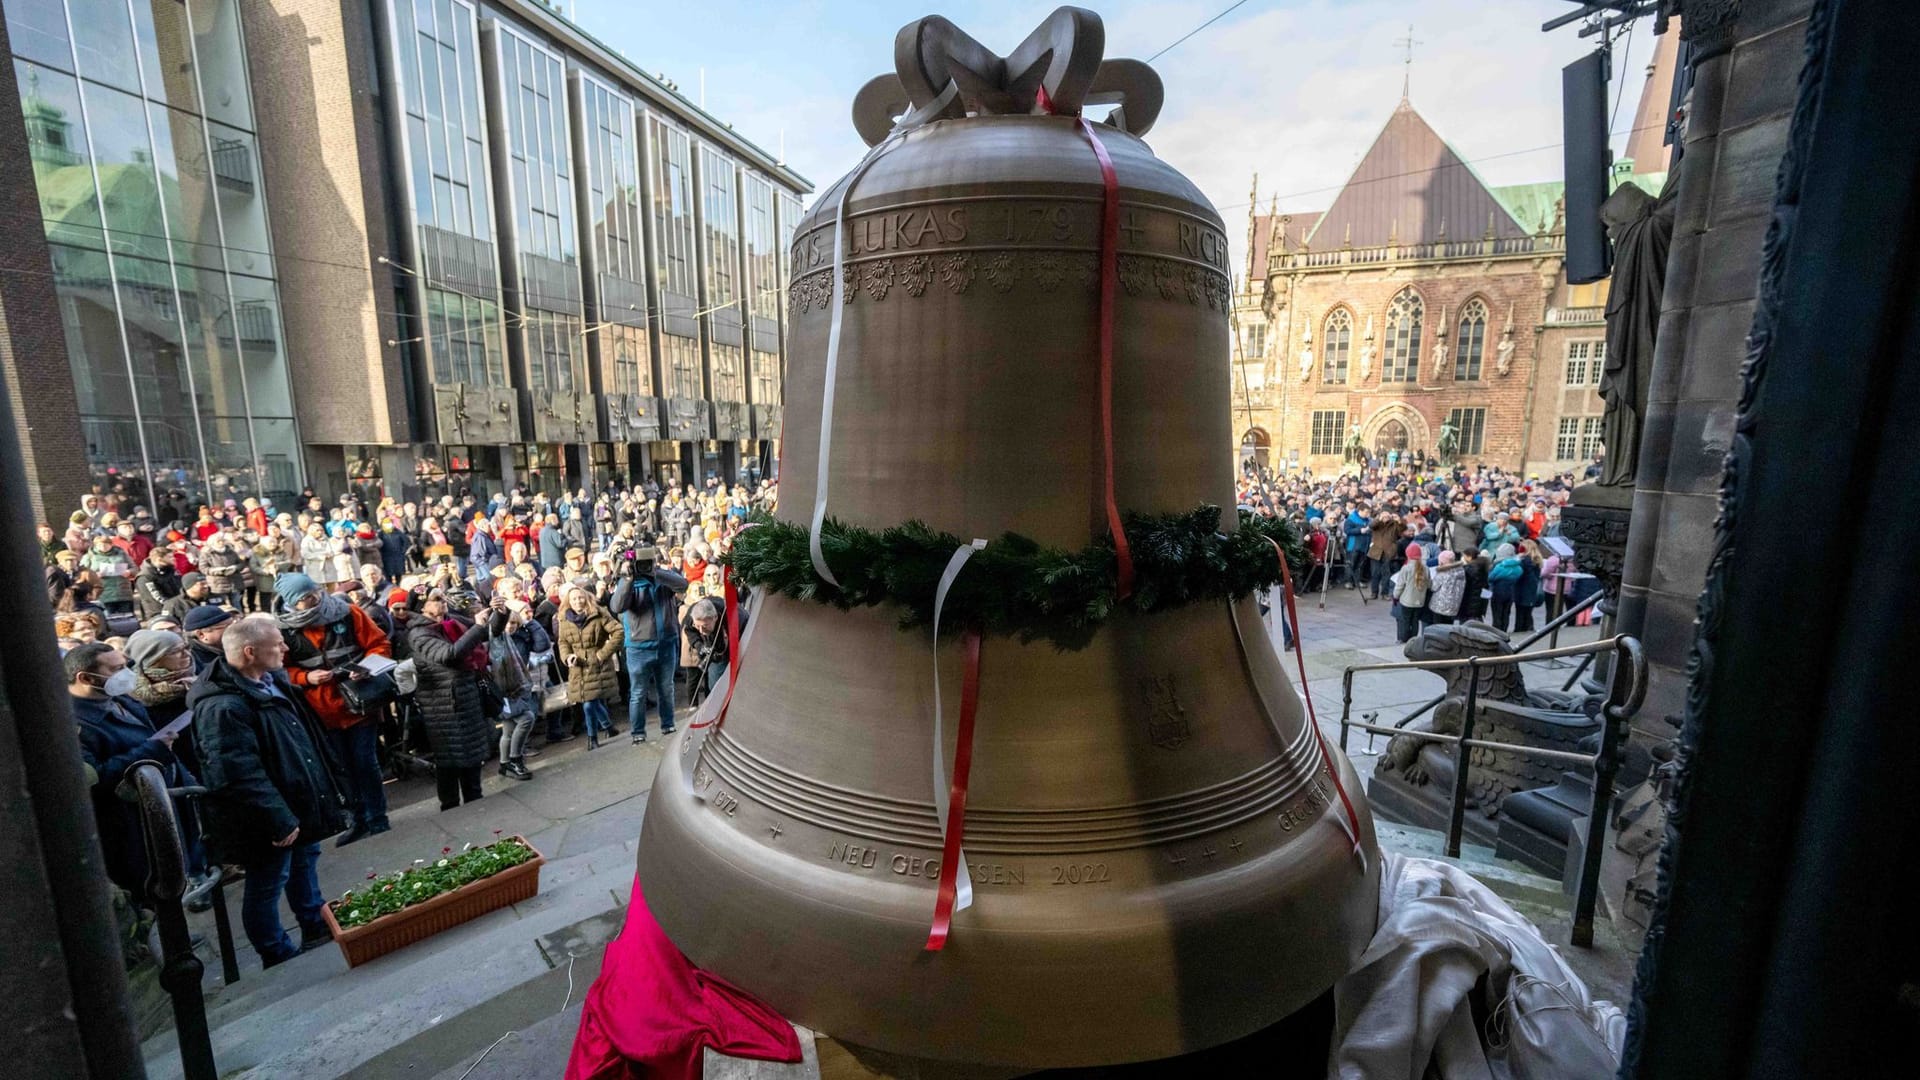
{"type": "Point", "coordinates": [515, 726]}
{"type": "Point", "coordinates": [1356, 562]}
{"type": "Point", "coordinates": [651, 669]}
{"type": "Point", "coordinates": [456, 784]}
{"type": "Point", "coordinates": [359, 750]}
{"type": "Point", "coordinates": [598, 722]}
{"type": "Point", "coordinates": [1382, 578]}
{"type": "Point", "coordinates": [292, 870]}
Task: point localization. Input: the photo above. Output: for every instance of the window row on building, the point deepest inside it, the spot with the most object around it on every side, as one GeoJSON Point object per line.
{"type": "Point", "coordinates": [1400, 344]}
{"type": "Point", "coordinates": [141, 140]}
{"type": "Point", "coordinates": [617, 278]}
{"type": "Point", "coordinates": [1328, 433]}
{"type": "Point", "coordinates": [578, 259]}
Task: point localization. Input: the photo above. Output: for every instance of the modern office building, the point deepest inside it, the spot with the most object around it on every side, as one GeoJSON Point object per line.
{"type": "Point", "coordinates": [409, 245]}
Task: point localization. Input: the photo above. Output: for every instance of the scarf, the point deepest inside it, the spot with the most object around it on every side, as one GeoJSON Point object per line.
{"type": "Point", "coordinates": [331, 608]}
{"type": "Point", "coordinates": [148, 692]}
{"type": "Point", "coordinates": [455, 630]}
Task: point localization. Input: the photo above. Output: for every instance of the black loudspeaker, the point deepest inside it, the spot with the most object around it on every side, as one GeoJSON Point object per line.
{"type": "Point", "coordinates": [1583, 86]}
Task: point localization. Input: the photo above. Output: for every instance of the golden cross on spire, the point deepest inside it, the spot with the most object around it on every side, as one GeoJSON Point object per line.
{"type": "Point", "coordinates": [1407, 43]}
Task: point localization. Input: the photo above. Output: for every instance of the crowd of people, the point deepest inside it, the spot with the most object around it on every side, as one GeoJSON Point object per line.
{"type": "Point", "coordinates": [1439, 543]}
{"type": "Point", "coordinates": [292, 661]}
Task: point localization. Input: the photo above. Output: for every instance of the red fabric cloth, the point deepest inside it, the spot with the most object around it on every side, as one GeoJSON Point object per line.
{"type": "Point", "coordinates": [651, 1014]}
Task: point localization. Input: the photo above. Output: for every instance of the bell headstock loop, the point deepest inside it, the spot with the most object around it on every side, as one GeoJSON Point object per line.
{"type": "Point", "coordinates": [1062, 57]}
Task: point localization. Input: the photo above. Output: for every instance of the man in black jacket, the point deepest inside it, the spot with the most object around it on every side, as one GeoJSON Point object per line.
{"type": "Point", "coordinates": [155, 584]}
{"type": "Point", "coordinates": [273, 792]}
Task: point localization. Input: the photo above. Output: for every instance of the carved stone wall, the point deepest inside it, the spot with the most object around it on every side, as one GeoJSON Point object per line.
{"type": "Point", "coordinates": [1737, 130]}
{"type": "Point", "coordinates": [1286, 404]}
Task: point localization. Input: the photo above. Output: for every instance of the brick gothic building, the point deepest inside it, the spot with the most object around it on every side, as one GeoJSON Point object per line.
{"type": "Point", "coordinates": [1421, 295]}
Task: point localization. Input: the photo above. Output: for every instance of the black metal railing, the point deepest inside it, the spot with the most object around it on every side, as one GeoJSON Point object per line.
{"type": "Point", "coordinates": [1552, 628]}
{"type": "Point", "coordinates": [1626, 689]}
{"type": "Point", "coordinates": [180, 968]}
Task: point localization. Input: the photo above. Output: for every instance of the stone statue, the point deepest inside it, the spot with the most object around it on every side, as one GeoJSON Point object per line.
{"type": "Point", "coordinates": [1546, 719]}
{"type": "Point", "coordinates": [1440, 359]}
{"type": "Point", "coordinates": [1503, 352]}
{"type": "Point", "coordinates": [1449, 441]}
{"type": "Point", "coordinates": [1356, 450]}
{"type": "Point", "coordinates": [1306, 353]}
{"type": "Point", "coordinates": [1641, 229]}
{"type": "Point", "coordinates": [1366, 351]}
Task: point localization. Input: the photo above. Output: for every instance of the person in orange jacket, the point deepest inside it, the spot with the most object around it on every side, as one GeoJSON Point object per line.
{"type": "Point", "coordinates": [325, 635]}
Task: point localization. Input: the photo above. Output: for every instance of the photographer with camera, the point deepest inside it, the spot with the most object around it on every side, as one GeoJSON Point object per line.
{"type": "Point", "coordinates": [326, 637]}
{"type": "Point", "coordinates": [646, 597]}
{"type": "Point", "coordinates": [451, 661]}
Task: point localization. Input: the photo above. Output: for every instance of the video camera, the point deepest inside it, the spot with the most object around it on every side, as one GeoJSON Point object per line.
{"type": "Point", "coordinates": [636, 561]}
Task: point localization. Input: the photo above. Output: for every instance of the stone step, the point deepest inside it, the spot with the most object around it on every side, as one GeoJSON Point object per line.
{"type": "Point", "coordinates": [1508, 879]}
{"type": "Point", "coordinates": [314, 1017]}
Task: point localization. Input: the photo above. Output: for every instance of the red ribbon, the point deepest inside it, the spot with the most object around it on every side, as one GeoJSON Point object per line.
{"type": "Point", "coordinates": [1300, 658]}
{"type": "Point", "coordinates": [732, 594]}
{"type": "Point", "coordinates": [957, 797]}
{"type": "Point", "coordinates": [1109, 289]}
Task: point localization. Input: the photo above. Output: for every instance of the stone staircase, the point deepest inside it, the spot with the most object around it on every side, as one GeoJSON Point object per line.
{"type": "Point", "coordinates": [1607, 968]}
{"type": "Point", "coordinates": [312, 1017]}
{"type": "Point", "coordinates": [508, 986]}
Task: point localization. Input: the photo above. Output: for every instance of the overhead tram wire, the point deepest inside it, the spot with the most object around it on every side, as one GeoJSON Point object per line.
{"type": "Point", "coordinates": [1177, 43]}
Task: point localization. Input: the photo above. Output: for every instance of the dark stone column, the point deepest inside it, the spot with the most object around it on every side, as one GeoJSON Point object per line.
{"type": "Point", "coordinates": [33, 342]}
{"type": "Point", "coordinates": [1746, 58]}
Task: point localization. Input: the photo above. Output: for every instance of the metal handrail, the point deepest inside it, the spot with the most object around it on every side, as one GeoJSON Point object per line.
{"type": "Point", "coordinates": [1556, 623]}
{"type": "Point", "coordinates": [1624, 697]}
{"type": "Point", "coordinates": [180, 969]}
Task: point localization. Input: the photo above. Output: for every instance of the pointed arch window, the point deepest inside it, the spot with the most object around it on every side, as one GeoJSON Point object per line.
{"type": "Point", "coordinates": [1471, 342]}
{"type": "Point", "coordinates": [1335, 343]}
{"type": "Point", "coordinates": [1401, 362]}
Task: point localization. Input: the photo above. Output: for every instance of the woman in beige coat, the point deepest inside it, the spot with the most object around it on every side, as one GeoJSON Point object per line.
{"type": "Point", "coordinates": [588, 641]}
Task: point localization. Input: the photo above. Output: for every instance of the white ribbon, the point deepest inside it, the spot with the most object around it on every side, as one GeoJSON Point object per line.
{"type": "Point", "coordinates": [963, 893]}
{"type": "Point", "coordinates": [907, 123]}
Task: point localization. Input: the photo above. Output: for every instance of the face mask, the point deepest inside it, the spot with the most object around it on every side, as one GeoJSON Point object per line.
{"type": "Point", "coordinates": [121, 683]}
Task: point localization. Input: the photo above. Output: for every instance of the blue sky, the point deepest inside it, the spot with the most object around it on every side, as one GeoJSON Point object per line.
{"type": "Point", "coordinates": [1295, 89]}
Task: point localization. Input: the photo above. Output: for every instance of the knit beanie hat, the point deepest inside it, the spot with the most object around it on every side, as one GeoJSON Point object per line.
{"type": "Point", "coordinates": [291, 587]}
{"type": "Point", "coordinates": [1504, 551]}
{"type": "Point", "coordinates": [1446, 557]}
{"type": "Point", "coordinates": [205, 617]}
{"type": "Point", "coordinates": [1413, 551]}
{"type": "Point", "coordinates": [147, 646]}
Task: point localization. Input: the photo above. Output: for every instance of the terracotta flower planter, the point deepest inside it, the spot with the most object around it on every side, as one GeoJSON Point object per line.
{"type": "Point", "coordinates": [444, 912]}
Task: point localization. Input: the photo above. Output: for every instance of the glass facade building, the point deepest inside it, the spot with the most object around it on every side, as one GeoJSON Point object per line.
{"type": "Point", "coordinates": [142, 141]}
{"type": "Point", "coordinates": [676, 280]}
{"type": "Point", "coordinates": [540, 240]}
{"type": "Point", "coordinates": [765, 293]}
{"type": "Point", "coordinates": [615, 240]}
{"type": "Point", "coordinates": [449, 196]}
{"type": "Point", "coordinates": [534, 257]}
{"type": "Point", "coordinates": [721, 292]}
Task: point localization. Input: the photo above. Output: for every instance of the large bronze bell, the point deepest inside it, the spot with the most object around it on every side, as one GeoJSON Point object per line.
{"type": "Point", "coordinates": [1158, 855]}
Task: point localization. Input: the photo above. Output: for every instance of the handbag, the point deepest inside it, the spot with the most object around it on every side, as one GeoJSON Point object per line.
{"type": "Point", "coordinates": [364, 696]}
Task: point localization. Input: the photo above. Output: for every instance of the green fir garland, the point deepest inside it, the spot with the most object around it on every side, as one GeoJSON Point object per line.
{"type": "Point", "coordinates": [1016, 587]}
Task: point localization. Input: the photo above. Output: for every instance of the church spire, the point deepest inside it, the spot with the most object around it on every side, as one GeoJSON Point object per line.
{"type": "Point", "coordinates": [1406, 79]}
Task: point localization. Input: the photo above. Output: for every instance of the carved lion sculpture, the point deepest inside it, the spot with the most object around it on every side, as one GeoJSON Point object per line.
{"type": "Point", "coordinates": [1509, 714]}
